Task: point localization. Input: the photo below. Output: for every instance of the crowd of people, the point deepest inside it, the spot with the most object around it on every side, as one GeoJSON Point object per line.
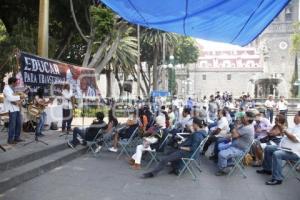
{"type": "Point", "coordinates": [224, 128]}
{"type": "Point", "coordinates": [230, 128]}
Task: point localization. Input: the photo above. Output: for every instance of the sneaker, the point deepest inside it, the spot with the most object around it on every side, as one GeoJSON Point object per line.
{"type": "Point", "coordinates": [98, 149]}
{"type": "Point", "coordinates": [263, 171]}
{"type": "Point", "coordinates": [70, 144]}
{"type": "Point", "coordinates": [131, 161]}
{"type": "Point", "coordinates": [19, 140]}
{"type": "Point", "coordinates": [274, 182]}
{"type": "Point", "coordinates": [112, 149]}
{"type": "Point", "coordinates": [220, 173]}
{"type": "Point", "coordinates": [136, 167]}
{"type": "Point", "coordinates": [147, 175]}
{"type": "Point", "coordinates": [80, 139]}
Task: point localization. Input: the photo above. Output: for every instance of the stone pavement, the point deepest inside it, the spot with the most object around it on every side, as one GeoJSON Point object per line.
{"type": "Point", "coordinates": [107, 178]}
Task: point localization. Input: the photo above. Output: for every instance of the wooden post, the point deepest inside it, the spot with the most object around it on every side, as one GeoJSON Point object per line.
{"type": "Point", "coordinates": [138, 63]}
{"type": "Point", "coordinates": [43, 33]}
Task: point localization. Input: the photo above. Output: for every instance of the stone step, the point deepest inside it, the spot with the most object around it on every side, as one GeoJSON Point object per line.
{"type": "Point", "coordinates": [20, 159]}
{"type": "Point", "coordinates": [15, 176]}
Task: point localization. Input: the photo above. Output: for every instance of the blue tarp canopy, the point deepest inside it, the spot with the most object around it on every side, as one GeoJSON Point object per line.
{"type": "Point", "coordinates": [230, 21]}
{"type": "Point", "coordinates": [160, 93]}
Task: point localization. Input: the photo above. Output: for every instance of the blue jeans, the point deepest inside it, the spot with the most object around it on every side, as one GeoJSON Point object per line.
{"type": "Point", "coordinates": [40, 124]}
{"type": "Point", "coordinates": [269, 115]}
{"type": "Point", "coordinates": [225, 156]}
{"type": "Point", "coordinates": [219, 140]}
{"type": "Point", "coordinates": [273, 160]}
{"type": "Point", "coordinates": [14, 126]}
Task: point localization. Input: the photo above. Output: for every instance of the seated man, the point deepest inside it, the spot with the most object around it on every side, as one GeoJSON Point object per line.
{"type": "Point", "coordinates": [242, 138]}
{"type": "Point", "coordinates": [125, 132]}
{"type": "Point", "coordinates": [88, 134]}
{"type": "Point", "coordinates": [272, 137]}
{"type": "Point", "coordinates": [185, 123]}
{"type": "Point", "coordinates": [185, 150]}
{"type": "Point", "coordinates": [218, 134]}
{"type": "Point", "coordinates": [289, 149]}
{"type": "Point", "coordinates": [261, 126]}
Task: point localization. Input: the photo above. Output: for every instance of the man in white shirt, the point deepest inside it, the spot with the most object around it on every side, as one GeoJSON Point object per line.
{"type": "Point", "coordinates": [67, 108]}
{"type": "Point", "coordinates": [186, 120]}
{"type": "Point", "coordinates": [10, 101]}
{"type": "Point", "coordinates": [218, 133]}
{"type": "Point", "coordinates": [282, 106]}
{"type": "Point", "coordinates": [270, 105]}
{"type": "Point", "coordinates": [289, 149]}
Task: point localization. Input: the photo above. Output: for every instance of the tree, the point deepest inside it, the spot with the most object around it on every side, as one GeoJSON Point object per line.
{"type": "Point", "coordinates": [186, 50]}
{"type": "Point", "coordinates": [295, 48]}
{"type": "Point", "coordinates": [152, 47]}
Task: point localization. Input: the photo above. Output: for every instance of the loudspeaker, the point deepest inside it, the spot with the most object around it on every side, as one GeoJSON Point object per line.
{"type": "Point", "coordinates": [128, 86]}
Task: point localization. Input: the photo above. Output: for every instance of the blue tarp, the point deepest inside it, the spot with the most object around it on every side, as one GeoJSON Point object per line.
{"type": "Point", "coordinates": [160, 93]}
{"type": "Point", "coordinates": [230, 21]}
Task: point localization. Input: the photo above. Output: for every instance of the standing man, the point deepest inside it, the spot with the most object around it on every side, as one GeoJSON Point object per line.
{"type": "Point", "coordinates": [270, 105]}
{"type": "Point", "coordinates": [10, 105]}
{"type": "Point", "coordinates": [282, 106]}
{"type": "Point", "coordinates": [41, 103]}
{"type": "Point", "coordinates": [67, 108]}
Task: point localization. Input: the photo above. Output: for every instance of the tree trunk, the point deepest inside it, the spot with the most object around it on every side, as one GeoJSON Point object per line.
{"type": "Point", "coordinates": [155, 69]}
{"type": "Point", "coordinates": [121, 87]}
{"type": "Point", "coordinates": [88, 53]}
{"type": "Point", "coordinates": [108, 83]}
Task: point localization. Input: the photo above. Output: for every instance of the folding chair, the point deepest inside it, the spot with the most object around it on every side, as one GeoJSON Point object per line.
{"type": "Point", "coordinates": [154, 153]}
{"type": "Point", "coordinates": [187, 162]}
{"type": "Point", "coordinates": [126, 142]}
{"type": "Point", "coordinates": [238, 162]}
{"type": "Point", "coordinates": [292, 168]}
{"type": "Point", "coordinates": [93, 145]}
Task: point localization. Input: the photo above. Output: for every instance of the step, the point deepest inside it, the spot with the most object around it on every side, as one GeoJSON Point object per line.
{"type": "Point", "coordinates": [13, 177]}
{"type": "Point", "coordinates": [20, 159]}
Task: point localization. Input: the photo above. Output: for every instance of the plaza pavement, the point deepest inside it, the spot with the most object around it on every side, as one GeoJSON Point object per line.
{"type": "Point", "coordinates": [106, 178]}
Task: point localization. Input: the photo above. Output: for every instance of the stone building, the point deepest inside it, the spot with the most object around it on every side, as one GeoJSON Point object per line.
{"type": "Point", "coordinates": [226, 69]}
{"type": "Point", "coordinates": [275, 48]}
{"type": "Point", "coordinates": [264, 67]}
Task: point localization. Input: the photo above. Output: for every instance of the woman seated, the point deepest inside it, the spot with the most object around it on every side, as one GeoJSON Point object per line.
{"type": "Point", "coordinates": [273, 137]}
{"type": "Point", "coordinates": [150, 137]}
{"type": "Point", "coordinates": [125, 132]}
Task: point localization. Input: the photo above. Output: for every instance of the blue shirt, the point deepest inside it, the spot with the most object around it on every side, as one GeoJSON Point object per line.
{"type": "Point", "coordinates": [194, 140]}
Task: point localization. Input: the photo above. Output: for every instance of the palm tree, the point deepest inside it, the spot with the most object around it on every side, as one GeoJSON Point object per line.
{"type": "Point", "coordinates": [152, 39]}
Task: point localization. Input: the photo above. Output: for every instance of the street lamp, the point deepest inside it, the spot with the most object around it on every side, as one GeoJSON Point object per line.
{"type": "Point", "coordinates": [297, 83]}
{"type": "Point", "coordinates": [171, 76]}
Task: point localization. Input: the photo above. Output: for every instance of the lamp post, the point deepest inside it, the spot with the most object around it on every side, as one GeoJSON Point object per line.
{"type": "Point", "coordinates": [297, 83]}
{"type": "Point", "coordinates": [43, 30]}
{"type": "Point", "coordinates": [171, 76]}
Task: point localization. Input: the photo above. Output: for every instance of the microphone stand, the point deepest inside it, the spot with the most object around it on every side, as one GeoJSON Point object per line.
{"type": "Point", "coordinates": [36, 138]}
{"type": "Point", "coordinates": [2, 148]}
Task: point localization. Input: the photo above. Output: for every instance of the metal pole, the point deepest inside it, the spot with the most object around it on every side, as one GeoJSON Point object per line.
{"type": "Point", "coordinates": [138, 62]}
{"type": "Point", "coordinates": [43, 32]}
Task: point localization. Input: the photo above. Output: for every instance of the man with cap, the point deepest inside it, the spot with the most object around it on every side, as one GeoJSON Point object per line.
{"type": "Point", "coordinates": [242, 137]}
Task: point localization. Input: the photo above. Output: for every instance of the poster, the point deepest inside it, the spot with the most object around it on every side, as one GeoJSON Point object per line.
{"type": "Point", "coordinates": [41, 72]}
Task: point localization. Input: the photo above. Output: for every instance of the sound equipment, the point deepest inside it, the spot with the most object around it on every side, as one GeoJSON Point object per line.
{"type": "Point", "coordinates": [128, 86]}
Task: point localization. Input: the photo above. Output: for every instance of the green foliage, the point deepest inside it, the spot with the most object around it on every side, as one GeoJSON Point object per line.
{"type": "Point", "coordinates": [186, 51]}
{"type": "Point", "coordinates": [294, 88]}
{"type": "Point", "coordinates": [102, 20]}
{"type": "Point", "coordinates": [152, 41]}
{"type": "Point", "coordinates": [296, 37]}
{"type": "Point", "coordinates": [91, 111]}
